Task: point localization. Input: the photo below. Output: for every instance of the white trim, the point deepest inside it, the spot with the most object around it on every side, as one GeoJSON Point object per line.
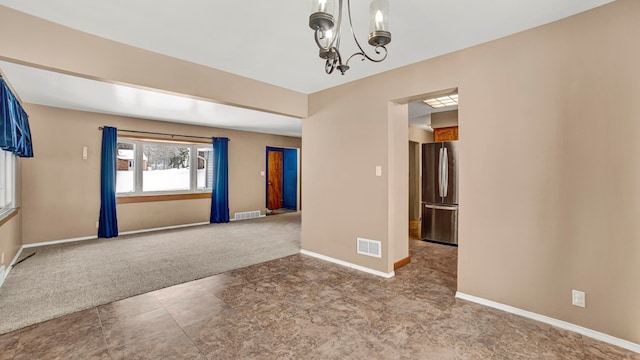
{"type": "Point", "coordinates": [554, 322]}
{"type": "Point", "coordinates": [55, 242]}
{"type": "Point", "coordinates": [8, 269]}
{"type": "Point", "coordinates": [348, 264]}
{"type": "Point", "coordinates": [15, 258]}
{"type": "Point", "coordinates": [162, 228]}
{"type": "Point", "coordinates": [93, 237]}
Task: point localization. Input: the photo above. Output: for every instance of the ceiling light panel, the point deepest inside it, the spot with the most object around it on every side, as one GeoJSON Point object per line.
{"type": "Point", "coordinates": [442, 101]}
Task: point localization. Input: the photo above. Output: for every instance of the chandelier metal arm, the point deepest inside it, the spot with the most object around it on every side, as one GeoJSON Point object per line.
{"type": "Point", "coordinates": [362, 52]}
{"type": "Point", "coordinates": [366, 57]}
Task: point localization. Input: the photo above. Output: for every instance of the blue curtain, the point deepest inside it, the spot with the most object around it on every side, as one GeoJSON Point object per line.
{"type": "Point", "coordinates": [108, 224]}
{"type": "Point", "coordinates": [15, 135]}
{"type": "Point", "coordinates": [220, 191]}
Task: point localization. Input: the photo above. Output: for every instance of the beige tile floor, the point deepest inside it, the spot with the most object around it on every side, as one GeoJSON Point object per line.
{"type": "Point", "coordinates": [303, 308]}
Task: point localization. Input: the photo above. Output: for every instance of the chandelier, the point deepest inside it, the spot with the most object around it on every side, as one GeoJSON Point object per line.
{"type": "Point", "coordinates": [328, 32]}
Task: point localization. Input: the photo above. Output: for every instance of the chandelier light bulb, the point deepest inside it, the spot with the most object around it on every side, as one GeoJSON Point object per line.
{"type": "Point", "coordinates": [322, 5]}
{"type": "Point", "coordinates": [328, 34]}
{"type": "Point", "coordinates": [379, 19]}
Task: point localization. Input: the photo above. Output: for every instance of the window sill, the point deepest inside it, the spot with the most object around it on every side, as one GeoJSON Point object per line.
{"type": "Point", "coordinates": [153, 198]}
{"type": "Point", "coordinates": [7, 215]}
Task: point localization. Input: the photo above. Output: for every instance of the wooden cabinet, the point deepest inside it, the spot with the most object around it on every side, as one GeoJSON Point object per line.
{"type": "Point", "coordinates": [445, 134]}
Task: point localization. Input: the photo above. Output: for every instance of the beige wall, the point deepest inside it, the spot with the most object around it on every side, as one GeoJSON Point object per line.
{"type": "Point", "coordinates": [550, 142]}
{"type": "Point", "coordinates": [62, 199]}
{"type": "Point", "coordinates": [420, 136]}
{"type": "Point", "coordinates": [10, 239]}
{"type": "Point", "coordinates": [398, 165]}
{"type": "Point", "coordinates": [444, 119]}
{"type": "Point", "coordinates": [343, 197]}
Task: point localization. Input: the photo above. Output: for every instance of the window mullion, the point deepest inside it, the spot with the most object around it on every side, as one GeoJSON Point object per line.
{"type": "Point", "coordinates": [12, 172]}
{"type": "Point", "coordinates": [193, 167]}
{"type": "Point", "coordinates": [139, 162]}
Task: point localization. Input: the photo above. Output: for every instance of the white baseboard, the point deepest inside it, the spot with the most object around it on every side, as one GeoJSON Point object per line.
{"type": "Point", "coordinates": [93, 237]}
{"type": "Point", "coordinates": [63, 241]}
{"type": "Point", "coordinates": [163, 228]}
{"type": "Point", "coordinates": [7, 270]}
{"type": "Point", "coordinates": [348, 264]}
{"type": "Point", "coordinates": [554, 322]}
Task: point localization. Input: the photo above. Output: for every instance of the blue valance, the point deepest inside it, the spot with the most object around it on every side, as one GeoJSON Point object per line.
{"type": "Point", "coordinates": [15, 135]}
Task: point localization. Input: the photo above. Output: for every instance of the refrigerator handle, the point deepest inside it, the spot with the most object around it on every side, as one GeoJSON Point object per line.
{"type": "Point", "coordinates": [440, 173]}
{"type": "Point", "coordinates": [445, 173]}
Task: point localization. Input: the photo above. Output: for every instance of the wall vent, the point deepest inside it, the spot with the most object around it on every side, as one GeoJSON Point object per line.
{"type": "Point", "coordinates": [247, 215]}
{"type": "Point", "coordinates": [370, 247]}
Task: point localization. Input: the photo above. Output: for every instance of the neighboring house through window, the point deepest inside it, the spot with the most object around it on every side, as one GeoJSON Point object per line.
{"type": "Point", "coordinates": [146, 167]}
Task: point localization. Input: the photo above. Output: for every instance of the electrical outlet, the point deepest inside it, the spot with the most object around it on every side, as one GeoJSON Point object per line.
{"type": "Point", "coordinates": [97, 224]}
{"type": "Point", "coordinates": [578, 298]}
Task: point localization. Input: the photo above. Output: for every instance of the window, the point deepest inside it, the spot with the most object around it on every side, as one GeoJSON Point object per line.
{"type": "Point", "coordinates": [147, 167]}
{"type": "Point", "coordinates": [7, 182]}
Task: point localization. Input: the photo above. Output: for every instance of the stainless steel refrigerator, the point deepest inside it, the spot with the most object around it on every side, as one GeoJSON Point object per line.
{"type": "Point", "coordinates": [440, 192]}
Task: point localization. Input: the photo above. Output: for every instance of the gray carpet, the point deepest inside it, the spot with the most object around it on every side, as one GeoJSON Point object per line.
{"type": "Point", "coordinates": [61, 279]}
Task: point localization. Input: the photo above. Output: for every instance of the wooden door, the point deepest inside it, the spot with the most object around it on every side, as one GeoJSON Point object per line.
{"type": "Point", "coordinates": [274, 180]}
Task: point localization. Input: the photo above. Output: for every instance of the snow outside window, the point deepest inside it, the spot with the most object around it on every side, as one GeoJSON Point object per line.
{"type": "Point", "coordinates": [153, 167]}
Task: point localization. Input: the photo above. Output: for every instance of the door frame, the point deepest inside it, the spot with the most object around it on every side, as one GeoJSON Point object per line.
{"type": "Point", "coordinates": [298, 174]}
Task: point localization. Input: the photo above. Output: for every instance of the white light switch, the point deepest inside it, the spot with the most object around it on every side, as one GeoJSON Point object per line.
{"type": "Point", "coordinates": [578, 298]}
{"type": "Point", "coordinates": [262, 173]}
{"type": "Point", "coordinates": [84, 153]}
{"type": "Point", "coordinates": [378, 170]}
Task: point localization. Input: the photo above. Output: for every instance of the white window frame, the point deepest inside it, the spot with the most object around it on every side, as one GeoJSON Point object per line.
{"type": "Point", "coordinates": [8, 167]}
{"type": "Point", "coordinates": [138, 170]}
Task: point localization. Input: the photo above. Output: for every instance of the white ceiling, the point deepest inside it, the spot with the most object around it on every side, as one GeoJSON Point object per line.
{"type": "Point", "coordinates": [420, 114]}
{"type": "Point", "coordinates": [49, 88]}
{"type": "Point", "coordinates": [271, 41]}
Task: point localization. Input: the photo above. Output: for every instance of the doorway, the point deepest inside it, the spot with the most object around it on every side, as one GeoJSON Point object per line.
{"type": "Point", "coordinates": [433, 201]}
{"type": "Point", "coordinates": [281, 180]}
